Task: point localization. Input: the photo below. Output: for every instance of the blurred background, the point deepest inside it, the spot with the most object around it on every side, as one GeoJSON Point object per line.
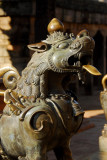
{"type": "Point", "coordinates": [24, 22]}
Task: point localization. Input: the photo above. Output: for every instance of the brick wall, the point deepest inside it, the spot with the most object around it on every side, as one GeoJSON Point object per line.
{"type": "Point", "coordinates": [15, 29]}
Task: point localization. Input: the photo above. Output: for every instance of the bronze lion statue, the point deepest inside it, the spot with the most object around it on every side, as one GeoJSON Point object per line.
{"type": "Point", "coordinates": [41, 112]}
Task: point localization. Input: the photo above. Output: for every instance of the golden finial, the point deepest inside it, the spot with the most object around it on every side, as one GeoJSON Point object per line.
{"type": "Point", "coordinates": [55, 25]}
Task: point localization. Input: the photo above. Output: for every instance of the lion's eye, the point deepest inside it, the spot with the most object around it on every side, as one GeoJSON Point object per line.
{"type": "Point", "coordinates": [63, 45]}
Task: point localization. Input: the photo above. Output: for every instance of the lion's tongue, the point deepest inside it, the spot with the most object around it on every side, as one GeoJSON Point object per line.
{"type": "Point", "coordinates": [91, 69]}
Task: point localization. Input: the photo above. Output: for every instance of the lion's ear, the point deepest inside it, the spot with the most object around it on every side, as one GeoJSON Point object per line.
{"type": "Point", "coordinates": [39, 47]}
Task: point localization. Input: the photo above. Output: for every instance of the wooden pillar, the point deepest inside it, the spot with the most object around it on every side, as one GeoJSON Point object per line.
{"type": "Point", "coordinates": [104, 56]}
{"type": "Point", "coordinates": [45, 11]}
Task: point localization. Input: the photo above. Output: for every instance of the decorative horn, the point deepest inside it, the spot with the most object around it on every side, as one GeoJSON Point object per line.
{"type": "Point", "coordinates": [10, 77]}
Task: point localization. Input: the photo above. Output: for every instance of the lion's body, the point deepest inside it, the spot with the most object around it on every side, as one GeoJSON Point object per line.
{"type": "Point", "coordinates": [41, 113]}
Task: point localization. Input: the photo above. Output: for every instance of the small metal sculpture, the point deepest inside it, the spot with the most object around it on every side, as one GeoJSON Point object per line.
{"type": "Point", "coordinates": [103, 138]}
{"type": "Point", "coordinates": [41, 113]}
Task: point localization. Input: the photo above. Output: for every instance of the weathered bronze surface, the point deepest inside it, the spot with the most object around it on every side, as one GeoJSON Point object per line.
{"type": "Point", "coordinates": [41, 112]}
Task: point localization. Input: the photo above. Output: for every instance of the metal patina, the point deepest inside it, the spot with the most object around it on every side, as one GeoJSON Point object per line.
{"type": "Point", "coordinates": [41, 112]}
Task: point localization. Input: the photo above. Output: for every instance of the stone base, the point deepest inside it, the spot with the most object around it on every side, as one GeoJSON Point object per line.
{"type": "Point", "coordinates": [103, 147]}
{"type": "Point", "coordinates": [103, 144]}
{"type": "Point", "coordinates": [102, 154]}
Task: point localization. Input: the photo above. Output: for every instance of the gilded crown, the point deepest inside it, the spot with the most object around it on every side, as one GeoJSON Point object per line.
{"type": "Point", "coordinates": [56, 37]}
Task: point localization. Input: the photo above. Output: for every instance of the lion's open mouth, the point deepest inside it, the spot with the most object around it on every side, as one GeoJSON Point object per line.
{"type": "Point", "coordinates": [79, 59]}
{"type": "Point", "coordinates": [82, 61]}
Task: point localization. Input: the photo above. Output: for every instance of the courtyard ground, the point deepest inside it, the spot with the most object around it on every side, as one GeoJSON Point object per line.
{"type": "Point", "coordinates": [85, 144]}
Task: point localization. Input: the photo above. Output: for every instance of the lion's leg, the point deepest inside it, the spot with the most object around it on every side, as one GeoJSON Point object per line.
{"type": "Point", "coordinates": [63, 153]}
{"type": "Point", "coordinates": [35, 88]}
{"type": "Point", "coordinates": [35, 92]}
{"type": "Point", "coordinates": [22, 158]}
{"type": "Point", "coordinates": [37, 152]}
{"type": "Point", "coordinates": [3, 156]}
{"type": "Point", "coordinates": [43, 85]}
{"type": "Point", "coordinates": [6, 157]}
{"type": "Point", "coordinates": [33, 157]}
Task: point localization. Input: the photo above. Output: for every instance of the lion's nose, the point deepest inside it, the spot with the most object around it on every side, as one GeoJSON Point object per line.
{"type": "Point", "coordinates": [83, 33]}
{"type": "Point", "coordinates": [88, 43]}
